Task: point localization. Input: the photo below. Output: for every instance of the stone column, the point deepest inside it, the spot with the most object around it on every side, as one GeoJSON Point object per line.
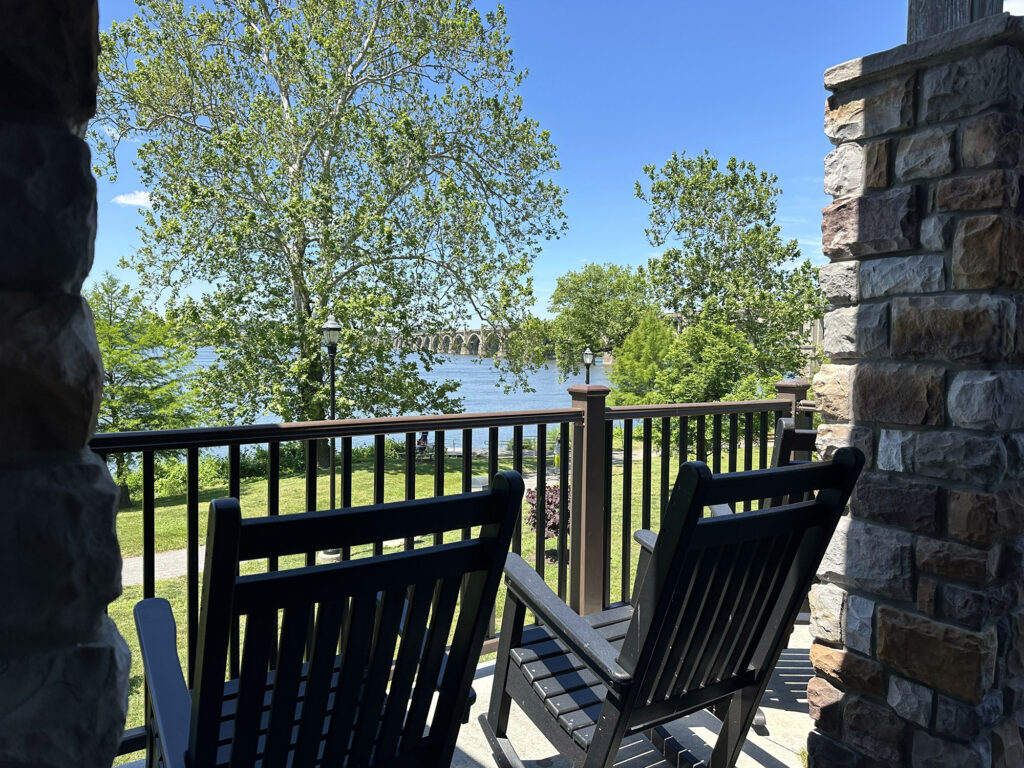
{"type": "Point", "coordinates": [918, 619]}
{"type": "Point", "coordinates": [63, 665]}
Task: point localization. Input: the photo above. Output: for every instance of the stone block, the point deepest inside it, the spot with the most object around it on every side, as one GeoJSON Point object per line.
{"type": "Point", "coordinates": [850, 670]}
{"type": "Point", "coordinates": [986, 519]}
{"type": "Point", "coordinates": [871, 111]}
{"type": "Point", "coordinates": [885, 222]}
{"type": "Point", "coordinates": [988, 400]}
{"type": "Point", "coordinates": [925, 155]}
{"type": "Point", "coordinates": [992, 189]}
{"type": "Point", "coordinates": [930, 752]}
{"type": "Point", "coordinates": [876, 164]}
{"type": "Point", "coordinates": [968, 328]}
{"type": "Point", "coordinates": [992, 140]}
{"type": "Point", "coordinates": [988, 252]}
{"type": "Point", "coordinates": [48, 209]}
{"type": "Point", "coordinates": [823, 752]}
{"type": "Point", "coordinates": [832, 386]}
{"type": "Point", "coordinates": [824, 703]}
{"type": "Point", "coordinates": [936, 232]}
{"type": "Point", "coordinates": [51, 375]}
{"type": "Point", "coordinates": [844, 170]}
{"type": "Point", "coordinates": [67, 706]}
{"type": "Point", "coordinates": [840, 283]}
{"type": "Point", "coordinates": [953, 660]}
{"type": "Point", "coordinates": [827, 603]}
{"type": "Point", "coordinates": [1007, 748]}
{"type": "Point", "coordinates": [857, 628]}
{"type": "Point", "coordinates": [954, 456]}
{"type": "Point", "coordinates": [50, 49]}
{"type": "Point", "coordinates": [1015, 653]}
{"type": "Point", "coordinates": [1015, 456]}
{"type": "Point", "coordinates": [63, 506]}
{"type": "Point", "coordinates": [971, 85]}
{"type": "Point", "coordinates": [861, 331]}
{"type": "Point", "coordinates": [927, 596]}
{"type": "Point", "coordinates": [953, 560]}
{"type": "Point", "coordinates": [974, 608]}
{"type": "Point", "coordinates": [832, 437]}
{"type": "Point", "coordinates": [901, 274]}
{"type": "Point", "coordinates": [874, 729]}
{"type": "Point", "coordinates": [870, 558]}
{"type": "Point", "coordinates": [892, 500]}
{"type": "Point", "coordinates": [1017, 346]}
{"type": "Point", "coordinates": [958, 720]}
{"type": "Point", "coordinates": [896, 393]}
{"type": "Point", "coordinates": [911, 701]}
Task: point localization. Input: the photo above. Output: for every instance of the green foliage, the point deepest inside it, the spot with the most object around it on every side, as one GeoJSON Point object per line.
{"type": "Point", "coordinates": [640, 360]}
{"type": "Point", "coordinates": [730, 262]}
{"type": "Point", "coordinates": [596, 307]}
{"type": "Point", "coordinates": [366, 159]}
{"type": "Point", "coordinates": [148, 379]}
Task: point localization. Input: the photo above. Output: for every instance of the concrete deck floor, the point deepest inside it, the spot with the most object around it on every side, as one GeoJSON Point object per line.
{"type": "Point", "coordinates": [779, 745]}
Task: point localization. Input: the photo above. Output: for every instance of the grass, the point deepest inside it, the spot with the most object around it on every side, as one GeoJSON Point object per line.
{"type": "Point", "coordinates": [171, 527]}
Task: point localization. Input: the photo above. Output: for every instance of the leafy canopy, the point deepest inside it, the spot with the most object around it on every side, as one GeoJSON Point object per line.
{"type": "Point", "coordinates": [148, 379]}
{"type": "Point", "coordinates": [728, 261]}
{"type": "Point", "coordinates": [366, 159]}
{"type": "Point", "coordinates": [595, 307]}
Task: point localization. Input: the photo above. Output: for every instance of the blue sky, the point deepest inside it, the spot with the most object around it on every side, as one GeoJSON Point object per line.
{"type": "Point", "coordinates": [620, 85]}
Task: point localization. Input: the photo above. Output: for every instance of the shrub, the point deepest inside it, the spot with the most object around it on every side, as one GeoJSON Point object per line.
{"type": "Point", "coordinates": [552, 497]}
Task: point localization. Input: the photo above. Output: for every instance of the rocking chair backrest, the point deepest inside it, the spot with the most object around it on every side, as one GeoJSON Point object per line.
{"type": "Point", "coordinates": [720, 593]}
{"type": "Point", "coordinates": [342, 663]}
{"type": "Point", "coordinates": [792, 446]}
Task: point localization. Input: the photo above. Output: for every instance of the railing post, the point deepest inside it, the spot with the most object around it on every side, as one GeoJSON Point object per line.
{"type": "Point", "coordinates": [795, 391]}
{"type": "Point", "coordinates": [587, 522]}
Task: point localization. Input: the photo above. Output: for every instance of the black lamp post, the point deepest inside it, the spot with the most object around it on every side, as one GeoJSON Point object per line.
{"type": "Point", "coordinates": [588, 360]}
{"type": "Point", "coordinates": [331, 333]}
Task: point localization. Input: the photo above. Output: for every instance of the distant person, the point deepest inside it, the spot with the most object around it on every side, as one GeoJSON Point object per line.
{"type": "Point", "coordinates": [422, 443]}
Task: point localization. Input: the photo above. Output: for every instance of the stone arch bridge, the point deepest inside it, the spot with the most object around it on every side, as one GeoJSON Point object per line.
{"type": "Point", "coordinates": [484, 342]}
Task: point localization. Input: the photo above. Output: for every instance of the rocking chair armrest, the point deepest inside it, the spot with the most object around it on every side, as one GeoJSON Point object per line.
{"type": "Point", "coordinates": [646, 539]}
{"type": "Point", "coordinates": [720, 510]}
{"type": "Point", "coordinates": [585, 641]}
{"type": "Point", "coordinates": [169, 699]}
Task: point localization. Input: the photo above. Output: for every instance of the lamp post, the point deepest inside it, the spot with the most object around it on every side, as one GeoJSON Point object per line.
{"type": "Point", "coordinates": [588, 360]}
{"type": "Point", "coordinates": [331, 333]}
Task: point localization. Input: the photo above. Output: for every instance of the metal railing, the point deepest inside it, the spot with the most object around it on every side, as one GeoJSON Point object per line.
{"type": "Point", "coordinates": [584, 437]}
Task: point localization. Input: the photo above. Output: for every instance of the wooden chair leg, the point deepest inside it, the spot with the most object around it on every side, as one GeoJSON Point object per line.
{"type": "Point", "coordinates": [735, 725]}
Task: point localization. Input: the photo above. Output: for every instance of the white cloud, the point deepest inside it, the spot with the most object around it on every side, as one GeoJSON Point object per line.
{"type": "Point", "coordinates": [1016, 7]}
{"type": "Point", "coordinates": [138, 198]}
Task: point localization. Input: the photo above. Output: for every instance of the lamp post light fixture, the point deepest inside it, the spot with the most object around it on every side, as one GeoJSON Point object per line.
{"type": "Point", "coordinates": [331, 334]}
{"type": "Point", "coordinates": [588, 360]}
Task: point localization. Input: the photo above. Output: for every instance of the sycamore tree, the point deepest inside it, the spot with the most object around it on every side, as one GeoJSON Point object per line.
{"type": "Point", "coordinates": [367, 159]}
{"type": "Point", "coordinates": [728, 263]}
{"type": "Point", "coordinates": [148, 373]}
{"type": "Point", "coordinates": [596, 307]}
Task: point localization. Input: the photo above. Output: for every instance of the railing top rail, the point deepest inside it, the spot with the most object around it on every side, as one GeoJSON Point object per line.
{"type": "Point", "coordinates": [205, 437]}
{"type": "Point", "coordinates": [616, 412]}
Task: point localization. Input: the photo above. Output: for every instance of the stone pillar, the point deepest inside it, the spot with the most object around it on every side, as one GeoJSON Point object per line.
{"type": "Point", "coordinates": [918, 619]}
{"type": "Point", "coordinates": [63, 665]}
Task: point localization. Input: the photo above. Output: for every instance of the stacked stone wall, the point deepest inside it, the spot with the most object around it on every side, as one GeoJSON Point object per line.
{"type": "Point", "coordinates": [63, 666]}
{"type": "Point", "coordinates": [918, 619]}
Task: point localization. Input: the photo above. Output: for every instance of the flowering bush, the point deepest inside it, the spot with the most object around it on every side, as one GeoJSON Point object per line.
{"type": "Point", "coordinates": [552, 497]}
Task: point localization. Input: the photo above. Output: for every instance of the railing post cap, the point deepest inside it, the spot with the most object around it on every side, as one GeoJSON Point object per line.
{"type": "Point", "coordinates": [792, 385]}
{"type": "Point", "coordinates": [581, 391]}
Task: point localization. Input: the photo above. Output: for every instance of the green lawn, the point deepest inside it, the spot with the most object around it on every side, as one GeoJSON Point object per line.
{"type": "Point", "coordinates": [170, 527]}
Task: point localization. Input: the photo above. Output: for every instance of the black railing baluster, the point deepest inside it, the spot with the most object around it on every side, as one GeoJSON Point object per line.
{"type": "Point", "coordinates": [684, 440]}
{"type": "Point", "coordinates": [311, 480]}
{"type": "Point", "coordinates": [517, 465]}
{"type": "Point", "coordinates": [410, 476]}
{"type": "Point", "coordinates": [716, 443]}
{"type": "Point", "coordinates": [606, 575]}
{"type": "Point", "coordinates": [378, 482]}
{"type": "Point", "coordinates": [541, 520]}
{"type": "Point", "coordinates": [748, 448]}
{"type": "Point", "coordinates": [235, 471]}
{"type": "Point", "coordinates": [492, 454]}
{"type": "Point", "coordinates": [563, 507]}
{"type": "Point", "coordinates": [273, 510]}
{"type": "Point", "coordinates": [646, 461]}
{"type": "Point", "coordinates": [192, 555]}
{"type": "Point", "coordinates": [734, 428]}
{"type": "Point", "coordinates": [439, 469]}
{"type": "Point", "coordinates": [666, 450]}
{"type": "Point", "coordinates": [763, 447]}
{"type": "Point", "coordinates": [702, 454]}
{"type": "Point", "coordinates": [148, 524]}
{"type": "Point", "coordinates": [627, 505]}
{"type": "Point", "coordinates": [346, 485]}
{"type": "Point", "coordinates": [467, 469]}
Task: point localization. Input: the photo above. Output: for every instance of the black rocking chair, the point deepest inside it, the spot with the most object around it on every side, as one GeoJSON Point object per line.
{"type": "Point", "coordinates": [714, 604]}
{"type": "Point", "coordinates": [358, 673]}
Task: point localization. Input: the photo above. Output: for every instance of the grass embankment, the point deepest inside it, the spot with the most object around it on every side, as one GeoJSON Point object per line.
{"type": "Point", "coordinates": [171, 526]}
